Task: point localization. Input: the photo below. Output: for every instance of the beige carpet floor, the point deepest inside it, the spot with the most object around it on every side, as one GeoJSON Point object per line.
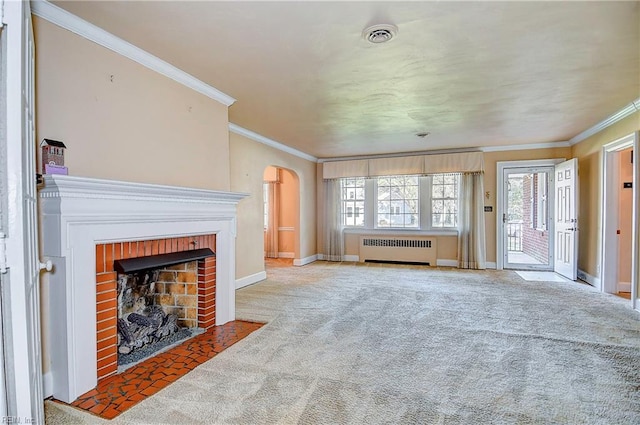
{"type": "Point", "coordinates": [348, 343]}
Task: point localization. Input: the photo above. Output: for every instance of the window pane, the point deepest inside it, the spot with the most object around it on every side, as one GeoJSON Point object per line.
{"type": "Point", "coordinates": [438, 179]}
{"type": "Point", "coordinates": [384, 206]}
{"type": "Point", "coordinates": [449, 179]}
{"type": "Point", "coordinates": [384, 220]}
{"type": "Point", "coordinates": [449, 191]}
{"type": "Point", "coordinates": [450, 206]}
{"type": "Point", "coordinates": [397, 201]}
{"type": "Point", "coordinates": [352, 192]}
{"type": "Point", "coordinates": [437, 191]}
{"type": "Point", "coordinates": [436, 220]}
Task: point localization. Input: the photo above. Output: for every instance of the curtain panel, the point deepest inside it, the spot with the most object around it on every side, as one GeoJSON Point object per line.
{"type": "Point", "coordinates": [333, 229]}
{"type": "Point", "coordinates": [471, 235]}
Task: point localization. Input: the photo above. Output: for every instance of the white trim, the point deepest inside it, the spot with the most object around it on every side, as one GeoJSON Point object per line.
{"type": "Point", "coordinates": [490, 265]}
{"type": "Point", "coordinates": [286, 229]}
{"type": "Point", "coordinates": [76, 25]}
{"type": "Point", "coordinates": [607, 267]}
{"type": "Point", "coordinates": [306, 260]}
{"type": "Point", "coordinates": [286, 255]}
{"type": "Point", "coordinates": [320, 257]}
{"type": "Point", "coordinates": [399, 232]}
{"type": "Point", "coordinates": [234, 128]}
{"type": "Point", "coordinates": [355, 258]}
{"type": "Point", "coordinates": [624, 287]}
{"type": "Point", "coordinates": [47, 384]}
{"type": "Point", "coordinates": [631, 108]}
{"type": "Point", "coordinates": [251, 279]}
{"type": "Point", "coordinates": [447, 263]}
{"type": "Point", "coordinates": [549, 145]}
{"type": "Point", "coordinates": [500, 201]}
{"type": "Point", "coordinates": [591, 280]}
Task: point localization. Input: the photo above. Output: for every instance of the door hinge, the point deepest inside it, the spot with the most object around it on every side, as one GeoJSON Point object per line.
{"type": "Point", "coordinates": [3, 253]}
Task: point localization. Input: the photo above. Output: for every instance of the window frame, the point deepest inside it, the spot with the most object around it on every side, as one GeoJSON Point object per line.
{"type": "Point", "coordinates": [370, 210]}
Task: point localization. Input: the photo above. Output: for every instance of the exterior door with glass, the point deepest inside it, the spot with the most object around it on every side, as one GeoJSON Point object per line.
{"type": "Point", "coordinates": [526, 221]}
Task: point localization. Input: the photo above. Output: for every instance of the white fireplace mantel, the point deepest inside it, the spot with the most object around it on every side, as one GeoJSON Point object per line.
{"type": "Point", "coordinates": [77, 213]}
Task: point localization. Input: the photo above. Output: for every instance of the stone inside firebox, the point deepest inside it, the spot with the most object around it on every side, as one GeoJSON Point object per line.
{"type": "Point", "coordinates": [156, 309]}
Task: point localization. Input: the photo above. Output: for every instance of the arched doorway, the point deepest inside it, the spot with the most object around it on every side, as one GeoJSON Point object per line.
{"type": "Point", "coordinates": [281, 211]}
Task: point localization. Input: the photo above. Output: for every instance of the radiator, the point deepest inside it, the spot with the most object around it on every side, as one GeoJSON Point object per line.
{"type": "Point", "coordinates": [411, 249]}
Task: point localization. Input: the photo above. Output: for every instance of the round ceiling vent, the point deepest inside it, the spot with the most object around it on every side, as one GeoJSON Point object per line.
{"type": "Point", "coordinates": [380, 33]}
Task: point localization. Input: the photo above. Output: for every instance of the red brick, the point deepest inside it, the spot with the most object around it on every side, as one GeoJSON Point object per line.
{"type": "Point", "coordinates": [99, 258]}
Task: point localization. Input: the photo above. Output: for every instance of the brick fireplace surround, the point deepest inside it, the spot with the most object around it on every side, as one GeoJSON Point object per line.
{"type": "Point", "coordinates": [84, 219]}
{"type": "Point", "coordinates": [106, 289]}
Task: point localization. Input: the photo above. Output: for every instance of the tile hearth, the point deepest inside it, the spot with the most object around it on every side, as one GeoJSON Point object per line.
{"type": "Point", "coordinates": [117, 393]}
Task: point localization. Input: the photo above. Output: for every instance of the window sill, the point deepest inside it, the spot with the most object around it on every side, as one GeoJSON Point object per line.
{"type": "Point", "coordinates": [408, 232]}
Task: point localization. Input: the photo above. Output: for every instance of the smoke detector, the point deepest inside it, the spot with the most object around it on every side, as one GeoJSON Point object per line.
{"type": "Point", "coordinates": [380, 33]}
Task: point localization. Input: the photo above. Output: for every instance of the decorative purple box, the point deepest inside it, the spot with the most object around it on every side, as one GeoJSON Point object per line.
{"type": "Point", "coordinates": [55, 169]}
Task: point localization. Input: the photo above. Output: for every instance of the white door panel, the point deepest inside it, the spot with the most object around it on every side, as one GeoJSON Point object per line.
{"type": "Point", "coordinates": [566, 219]}
{"type": "Point", "coordinates": [20, 282]}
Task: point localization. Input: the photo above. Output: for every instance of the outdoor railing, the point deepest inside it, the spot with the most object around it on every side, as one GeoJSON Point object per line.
{"type": "Point", "coordinates": [514, 236]}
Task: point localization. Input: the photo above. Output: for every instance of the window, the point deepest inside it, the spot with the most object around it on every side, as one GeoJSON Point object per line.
{"type": "Point", "coordinates": [397, 199]}
{"type": "Point", "coordinates": [401, 202]}
{"type": "Point", "coordinates": [444, 200]}
{"type": "Point", "coordinates": [540, 206]}
{"type": "Point", "coordinates": [352, 190]}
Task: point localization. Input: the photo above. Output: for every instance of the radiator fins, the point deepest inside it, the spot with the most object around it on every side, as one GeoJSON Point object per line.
{"type": "Point", "coordinates": [397, 243]}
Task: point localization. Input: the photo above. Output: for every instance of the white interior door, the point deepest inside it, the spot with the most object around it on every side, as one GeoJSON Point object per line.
{"type": "Point", "coordinates": [566, 221]}
{"type": "Point", "coordinates": [20, 273]}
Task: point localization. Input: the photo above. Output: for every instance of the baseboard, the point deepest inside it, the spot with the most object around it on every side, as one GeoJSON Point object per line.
{"type": "Point", "coordinates": [591, 280]}
{"type": "Point", "coordinates": [286, 255]}
{"type": "Point", "coordinates": [306, 260]}
{"type": "Point", "coordinates": [490, 265]}
{"type": "Point", "coordinates": [251, 279]}
{"type": "Point", "coordinates": [447, 263]}
{"type": "Point", "coordinates": [47, 384]}
{"type": "Point", "coordinates": [624, 286]}
{"type": "Point", "coordinates": [320, 257]}
{"type": "Point", "coordinates": [355, 258]}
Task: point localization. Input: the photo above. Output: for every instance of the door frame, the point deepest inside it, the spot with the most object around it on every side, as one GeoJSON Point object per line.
{"type": "Point", "coordinates": [501, 166]}
{"type": "Point", "coordinates": [608, 259]}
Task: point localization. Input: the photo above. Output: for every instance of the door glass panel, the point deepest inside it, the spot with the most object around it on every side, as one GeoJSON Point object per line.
{"type": "Point", "coordinates": [526, 233]}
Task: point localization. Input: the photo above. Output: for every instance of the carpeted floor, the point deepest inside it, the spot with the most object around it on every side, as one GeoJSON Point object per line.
{"type": "Point", "coordinates": [349, 343]}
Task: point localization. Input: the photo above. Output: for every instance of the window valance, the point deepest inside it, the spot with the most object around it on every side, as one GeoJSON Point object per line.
{"type": "Point", "coordinates": [465, 162]}
{"type": "Point", "coordinates": [338, 169]}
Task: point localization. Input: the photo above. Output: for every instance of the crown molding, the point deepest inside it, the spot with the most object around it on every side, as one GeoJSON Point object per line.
{"type": "Point", "coordinates": [609, 121]}
{"type": "Point", "coordinates": [234, 128]}
{"type": "Point", "coordinates": [549, 145]}
{"type": "Point", "coordinates": [76, 25]}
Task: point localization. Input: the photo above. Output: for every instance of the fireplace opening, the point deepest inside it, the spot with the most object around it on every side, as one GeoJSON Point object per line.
{"type": "Point", "coordinates": [157, 308]}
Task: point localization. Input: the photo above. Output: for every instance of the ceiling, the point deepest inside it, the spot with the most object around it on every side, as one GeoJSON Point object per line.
{"type": "Point", "coordinates": [470, 73]}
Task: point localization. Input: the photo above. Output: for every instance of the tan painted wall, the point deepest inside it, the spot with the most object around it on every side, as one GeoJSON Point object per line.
{"type": "Point", "coordinates": [248, 161]}
{"type": "Point", "coordinates": [140, 127]}
{"type": "Point", "coordinates": [589, 154]}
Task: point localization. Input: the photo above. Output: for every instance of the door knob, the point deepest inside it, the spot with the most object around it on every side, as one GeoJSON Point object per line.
{"type": "Point", "coordinates": [47, 265]}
